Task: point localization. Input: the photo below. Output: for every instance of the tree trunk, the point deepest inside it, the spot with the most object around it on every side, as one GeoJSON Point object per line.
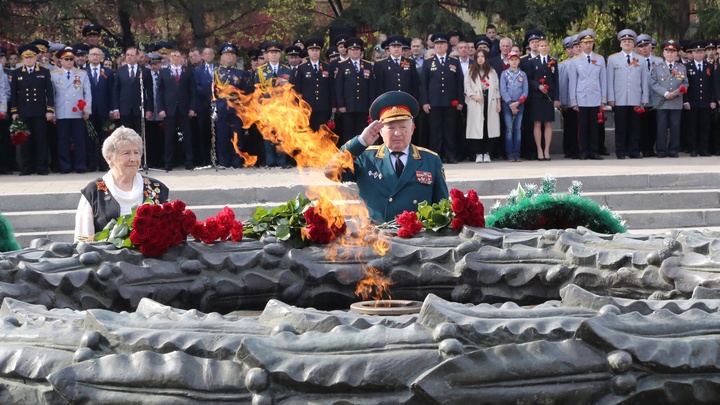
{"type": "Point", "coordinates": [196, 17]}
{"type": "Point", "coordinates": [125, 27]}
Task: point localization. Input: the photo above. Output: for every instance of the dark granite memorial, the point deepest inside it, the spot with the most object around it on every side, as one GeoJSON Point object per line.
{"type": "Point", "coordinates": [507, 317]}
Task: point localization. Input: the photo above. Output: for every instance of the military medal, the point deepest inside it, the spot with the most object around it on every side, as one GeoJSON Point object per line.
{"type": "Point", "coordinates": [424, 177]}
{"type": "Point", "coordinates": [77, 83]}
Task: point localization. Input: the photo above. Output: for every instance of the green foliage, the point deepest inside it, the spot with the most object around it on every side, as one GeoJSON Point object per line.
{"type": "Point", "coordinates": [527, 210]}
{"type": "Point", "coordinates": [284, 222]}
{"type": "Point", "coordinates": [117, 231]}
{"type": "Point", "coordinates": [7, 236]}
{"type": "Point", "coordinates": [436, 216]}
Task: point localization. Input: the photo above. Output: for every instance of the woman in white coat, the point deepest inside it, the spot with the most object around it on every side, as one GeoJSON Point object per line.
{"type": "Point", "coordinates": [482, 97]}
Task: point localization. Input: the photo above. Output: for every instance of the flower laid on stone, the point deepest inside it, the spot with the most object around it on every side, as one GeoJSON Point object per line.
{"type": "Point", "coordinates": [219, 228]}
{"type": "Point", "coordinates": [455, 212]}
{"type": "Point", "coordinates": [533, 208]}
{"type": "Point", "coordinates": [19, 132]}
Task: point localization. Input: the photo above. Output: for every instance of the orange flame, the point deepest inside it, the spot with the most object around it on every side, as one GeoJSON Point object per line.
{"type": "Point", "coordinates": [249, 159]}
{"type": "Point", "coordinates": [283, 118]}
{"type": "Point", "coordinates": [374, 286]}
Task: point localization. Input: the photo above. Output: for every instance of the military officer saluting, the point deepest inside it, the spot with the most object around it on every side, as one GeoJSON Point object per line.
{"type": "Point", "coordinates": [628, 88]}
{"type": "Point", "coordinates": [354, 89]}
{"type": "Point", "coordinates": [397, 175]}
{"type": "Point", "coordinates": [313, 80]}
{"type": "Point", "coordinates": [667, 80]}
{"type": "Point", "coordinates": [396, 73]}
{"type": "Point", "coordinates": [32, 100]}
{"type": "Point", "coordinates": [588, 94]}
{"type": "Point", "coordinates": [700, 99]}
{"type": "Point", "coordinates": [228, 122]}
{"type": "Point", "coordinates": [73, 105]}
{"type": "Point", "coordinates": [271, 74]}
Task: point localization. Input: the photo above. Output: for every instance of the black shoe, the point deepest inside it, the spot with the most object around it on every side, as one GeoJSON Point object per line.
{"type": "Point", "coordinates": [673, 155]}
{"type": "Point", "coordinates": [694, 154]}
{"type": "Point", "coordinates": [636, 156]}
{"type": "Point", "coordinates": [43, 173]}
{"type": "Point", "coordinates": [168, 168]}
{"type": "Point", "coordinates": [705, 154]}
{"type": "Point", "coordinates": [661, 154]}
{"type": "Point", "coordinates": [25, 173]}
{"type": "Point", "coordinates": [596, 157]}
{"type": "Point", "coordinates": [452, 161]}
{"type": "Point", "coordinates": [649, 153]}
{"type": "Point", "coordinates": [80, 171]}
{"type": "Point", "coordinates": [189, 167]}
{"type": "Point", "coordinates": [4, 171]}
{"type": "Point", "coordinates": [65, 171]}
{"type": "Point", "coordinates": [621, 157]}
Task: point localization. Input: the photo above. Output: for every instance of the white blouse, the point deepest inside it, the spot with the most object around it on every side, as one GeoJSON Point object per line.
{"type": "Point", "coordinates": [84, 218]}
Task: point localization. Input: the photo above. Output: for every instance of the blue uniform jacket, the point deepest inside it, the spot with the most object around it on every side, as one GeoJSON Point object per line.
{"type": "Point", "coordinates": [386, 196]}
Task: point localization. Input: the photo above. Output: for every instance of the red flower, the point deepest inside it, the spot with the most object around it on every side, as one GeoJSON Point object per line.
{"type": "Point", "coordinates": [542, 80]}
{"type": "Point", "coordinates": [546, 87]}
{"type": "Point", "coordinates": [522, 99]}
{"type": "Point", "coordinates": [639, 110]}
{"type": "Point", "coordinates": [369, 120]}
{"type": "Point", "coordinates": [457, 224]}
{"type": "Point", "coordinates": [236, 232]}
{"type": "Point", "coordinates": [409, 224]}
{"type": "Point", "coordinates": [331, 125]}
{"type": "Point", "coordinates": [19, 138]}
{"type": "Point", "coordinates": [2, 115]}
{"type": "Point", "coordinates": [319, 230]}
{"type": "Point", "coordinates": [454, 103]}
{"type": "Point", "coordinates": [682, 90]}
{"type": "Point", "coordinates": [74, 109]}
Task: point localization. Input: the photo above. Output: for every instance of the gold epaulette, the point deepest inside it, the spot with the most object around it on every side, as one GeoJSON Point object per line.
{"type": "Point", "coordinates": [57, 69]}
{"type": "Point", "coordinates": [373, 147]}
{"type": "Point", "coordinates": [420, 148]}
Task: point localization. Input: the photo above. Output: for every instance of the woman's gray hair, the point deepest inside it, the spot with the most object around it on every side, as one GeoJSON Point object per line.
{"type": "Point", "coordinates": [117, 139]}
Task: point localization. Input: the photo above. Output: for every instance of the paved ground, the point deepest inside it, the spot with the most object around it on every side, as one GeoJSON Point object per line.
{"type": "Point", "coordinates": [180, 179]}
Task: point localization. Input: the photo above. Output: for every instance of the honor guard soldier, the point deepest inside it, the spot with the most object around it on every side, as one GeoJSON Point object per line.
{"type": "Point", "coordinates": [272, 74]}
{"type": "Point", "coordinates": [588, 94]}
{"type": "Point", "coordinates": [396, 73]}
{"type": "Point", "coordinates": [176, 101]}
{"type": "Point", "coordinates": [628, 88]}
{"type": "Point", "coordinates": [32, 100]}
{"type": "Point", "coordinates": [71, 86]}
{"type": "Point", "coordinates": [228, 123]}
{"type": "Point", "coordinates": [102, 80]}
{"type": "Point", "coordinates": [700, 99]}
{"type": "Point", "coordinates": [91, 35]}
{"type": "Point", "coordinates": [354, 89]}
{"type": "Point", "coordinates": [441, 91]}
{"type": "Point", "coordinates": [397, 175]}
{"type": "Point", "coordinates": [7, 151]}
{"type": "Point", "coordinates": [667, 79]}
{"type": "Point", "coordinates": [314, 82]}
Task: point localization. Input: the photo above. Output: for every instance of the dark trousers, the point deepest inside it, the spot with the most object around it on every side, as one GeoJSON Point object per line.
{"type": "Point", "coordinates": [227, 125]}
{"type": "Point", "coordinates": [34, 152]}
{"type": "Point", "coordinates": [588, 131]}
{"type": "Point", "coordinates": [353, 124]}
{"type": "Point", "coordinates": [154, 141]}
{"type": "Point", "coordinates": [93, 152]}
{"type": "Point", "coordinates": [461, 147]}
{"type": "Point", "coordinates": [668, 119]}
{"type": "Point", "coordinates": [570, 133]}
{"type": "Point", "coordinates": [7, 149]}
{"type": "Point", "coordinates": [442, 131]}
{"type": "Point", "coordinates": [51, 137]}
{"type": "Point", "coordinates": [627, 131]}
{"type": "Point", "coordinates": [71, 131]}
{"type": "Point", "coordinates": [421, 136]}
{"type": "Point", "coordinates": [202, 135]}
{"type": "Point", "coordinates": [182, 121]}
{"type": "Point", "coordinates": [132, 121]}
{"type": "Point", "coordinates": [318, 118]}
{"type": "Point", "coordinates": [648, 134]}
{"type": "Point", "coordinates": [699, 130]}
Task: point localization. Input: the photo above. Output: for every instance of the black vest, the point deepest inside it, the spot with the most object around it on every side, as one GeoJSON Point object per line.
{"type": "Point", "coordinates": [106, 208]}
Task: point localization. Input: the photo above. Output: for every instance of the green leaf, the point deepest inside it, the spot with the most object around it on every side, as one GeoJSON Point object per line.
{"type": "Point", "coordinates": [282, 232]}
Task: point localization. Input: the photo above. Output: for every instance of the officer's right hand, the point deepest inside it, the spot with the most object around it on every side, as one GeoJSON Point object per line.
{"type": "Point", "coordinates": [50, 117]}
{"type": "Point", "coordinates": [611, 104]}
{"type": "Point", "coordinates": [426, 108]}
{"type": "Point", "coordinates": [162, 114]}
{"type": "Point", "coordinates": [15, 116]}
{"type": "Point", "coordinates": [342, 110]}
{"type": "Point", "coordinates": [116, 115]}
{"type": "Point", "coordinates": [371, 133]}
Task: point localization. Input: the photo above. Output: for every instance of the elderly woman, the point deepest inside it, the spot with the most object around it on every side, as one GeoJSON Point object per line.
{"type": "Point", "coordinates": [119, 189]}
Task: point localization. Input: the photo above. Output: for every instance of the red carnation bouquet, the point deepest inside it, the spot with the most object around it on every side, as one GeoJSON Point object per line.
{"type": "Point", "coordinates": [331, 122]}
{"type": "Point", "coordinates": [601, 116]}
{"type": "Point", "coordinates": [639, 110]}
{"type": "Point", "coordinates": [220, 227]}
{"type": "Point", "coordinates": [19, 132]}
{"type": "Point", "coordinates": [152, 228]}
{"type": "Point", "coordinates": [456, 212]}
{"type": "Point", "coordinates": [454, 103]}
{"type": "Point", "coordinates": [522, 99]}
{"type": "Point", "coordinates": [318, 228]}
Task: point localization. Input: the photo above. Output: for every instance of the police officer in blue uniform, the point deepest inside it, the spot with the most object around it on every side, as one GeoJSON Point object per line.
{"type": "Point", "coordinates": [228, 122]}
{"type": "Point", "coordinates": [32, 100]}
{"type": "Point", "coordinates": [71, 84]}
{"type": "Point", "coordinates": [272, 74]}
{"type": "Point", "coordinates": [7, 151]}
{"type": "Point", "coordinates": [441, 95]}
{"type": "Point", "coordinates": [313, 80]}
{"type": "Point", "coordinates": [397, 175]}
{"type": "Point", "coordinates": [396, 72]}
{"type": "Point", "coordinates": [700, 99]}
{"type": "Point", "coordinates": [666, 79]}
{"type": "Point", "coordinates": [354, 89]}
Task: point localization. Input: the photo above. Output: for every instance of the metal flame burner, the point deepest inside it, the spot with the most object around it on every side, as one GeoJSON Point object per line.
{"type": "Point", "coordinates": [387, 307]}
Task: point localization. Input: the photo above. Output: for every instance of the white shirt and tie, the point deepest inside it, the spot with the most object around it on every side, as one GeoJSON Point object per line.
{"type": "Point", "coordinates": [95, 72]}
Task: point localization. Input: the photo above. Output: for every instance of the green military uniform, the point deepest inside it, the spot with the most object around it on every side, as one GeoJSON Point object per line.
{"type": "Point", "coordinates": [386, 195]}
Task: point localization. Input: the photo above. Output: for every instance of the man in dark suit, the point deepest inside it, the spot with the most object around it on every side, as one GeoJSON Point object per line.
{"type": "Point", "coordinates": [354, 89]}
{"type": "Point", "coordinates": [32, 100]}
{"type": "Point", "coordinates": [314, 82]}
{"type": "Point", "coordinates": [440, 93]}
{"type": "Point", "coordinates": [204, 77]}
{"type": "Point", "coordinates": [101, 83]}
{"type": "Point", "coordinates": [127, 97]}
{"type": "Point", "coordinates": [396, 73]}
{"type": "Point", "coordinates": [176, 99]}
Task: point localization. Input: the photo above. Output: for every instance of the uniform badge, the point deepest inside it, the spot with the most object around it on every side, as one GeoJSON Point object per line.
{"type": "Point", "coordinates": [375, 174]}
{"type": "Point", "coordinates": [324, 73]}
{"type": "Point", "coordinates": [77, 83]}
{"type": "Point", "coordinates": [520, 79]}
{"type": "Point", "coordinates": [453, 68]}
{"type": "Point", "coordinates": [366, 73]}
{"type": "Point", "coordinates": [424, 177]}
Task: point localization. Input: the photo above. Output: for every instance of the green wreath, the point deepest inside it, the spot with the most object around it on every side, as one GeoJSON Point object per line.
{"type": "Point", "coordinates": [7, 236]}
